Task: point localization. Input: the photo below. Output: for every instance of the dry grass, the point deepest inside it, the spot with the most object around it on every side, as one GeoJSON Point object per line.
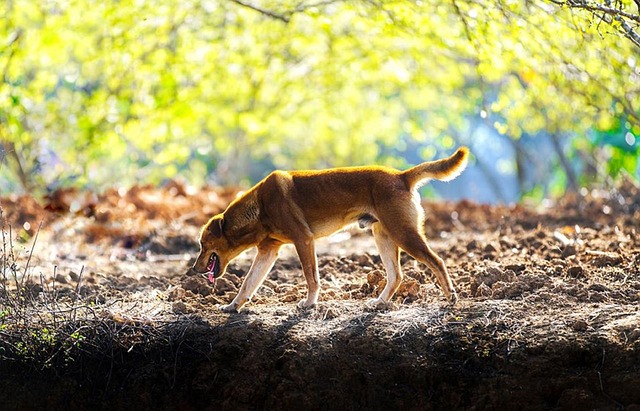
{"type": "Point", "coordinates": [44, 324]}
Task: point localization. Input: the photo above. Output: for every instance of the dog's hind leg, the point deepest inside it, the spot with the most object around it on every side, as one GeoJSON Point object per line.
{"type": "Point", "coordinates": [262, 264]}
{"type": "Point", "coordinates": [307, 254]}
{"type": "Point", "coordinates": [406, 229]}
{"type": "Point", "coordinates": [390, 255]}
{"type": "Point", "coordinates": [415, 245]}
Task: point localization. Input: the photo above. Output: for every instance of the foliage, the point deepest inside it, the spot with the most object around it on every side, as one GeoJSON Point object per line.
{"type": "Point", "coordinates": [619, 15]}
{"type": "Point", "coordinates": [97, 94]}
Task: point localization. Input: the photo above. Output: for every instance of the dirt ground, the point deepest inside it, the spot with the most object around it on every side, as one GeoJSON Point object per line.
{"type": "Point", "coordinates": [547, 319]}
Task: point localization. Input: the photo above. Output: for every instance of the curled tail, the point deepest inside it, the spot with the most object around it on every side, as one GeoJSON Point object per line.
{"type": "Point", "coordinates": [445, 169]}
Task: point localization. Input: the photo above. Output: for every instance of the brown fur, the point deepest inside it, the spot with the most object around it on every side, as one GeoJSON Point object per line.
{"type": "Point", "coordinates": [299, 206]}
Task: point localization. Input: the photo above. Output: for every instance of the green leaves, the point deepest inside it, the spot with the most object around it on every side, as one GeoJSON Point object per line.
{"type": "Point", "coordinates": [143, 89]}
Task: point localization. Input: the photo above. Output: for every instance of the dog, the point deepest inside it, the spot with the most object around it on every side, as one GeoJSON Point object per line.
{"type": "Point", "coordinates": [300, 206]}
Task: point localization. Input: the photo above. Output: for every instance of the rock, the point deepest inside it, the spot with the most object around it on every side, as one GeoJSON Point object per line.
{"type": "Point", "coordinates": [376, 279]}
{"type": "Point", "coordinates": [270, 284]}
{"type": "Point", "coordinates": [409, 289]}
{"type": "Point", "coordinates": [575, 271]}
{"type": "Point", "coordinates": [483, 290]}
{"type": "Point", "coordinates": [492, 247]}
{"type": "Point", "coordinates": [74, 276]}
{"type": "Point", "coordinates": [603, 259]}
{"type": "Point", "coordinates": [223, 285]}
{"type": "Point", "coordinates": [179, 307]}
{"type": "Point", "coordinates": [176, 293]}
{"type": "Point", "coordinates": [569, 251]}
{"type": "Point", "coordinates": [579, 325]}
{"type": "Point", "coordinates": [515, 267]}
{"type": "Point", "coordinates": [237, 281]}
{"type": "Point", "coordinates": [197, 285]}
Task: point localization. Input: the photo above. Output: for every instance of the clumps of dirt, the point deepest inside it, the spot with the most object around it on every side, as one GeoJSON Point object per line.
{"type": "Point", "coordinates": [492, 279]}
{"type": "Point", "coordinates": [547, 317]}
{"type": "Point", "coordinates": [408, 291]}
{"type": "Point", "coordinates": [604, 259]}
{"type": "Point", "coordinates": [595, 208]}
{"type": "Point", "coordinates": [23, 213]}
{"type": "Point", "coordinates": [128, 217]}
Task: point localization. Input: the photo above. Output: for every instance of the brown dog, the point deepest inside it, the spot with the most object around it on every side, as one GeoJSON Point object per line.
{"type": "Point", "coordinates": [299, 206]}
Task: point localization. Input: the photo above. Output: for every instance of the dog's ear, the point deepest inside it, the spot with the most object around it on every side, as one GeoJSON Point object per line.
{"type": "Point", "coordinates": [215, 227]}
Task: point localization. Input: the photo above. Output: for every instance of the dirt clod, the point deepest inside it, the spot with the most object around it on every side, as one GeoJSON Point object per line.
{"type": "Point", "coordinates": [223, 285]}
{"type": "Point", "coordinates": [196, 285]}
{"type": "Point", "coordinates": [575, 271]}
{"type": "Point", "coordinates": [579, 325]}
{"type": "Point", "coordinates": [547, 316]}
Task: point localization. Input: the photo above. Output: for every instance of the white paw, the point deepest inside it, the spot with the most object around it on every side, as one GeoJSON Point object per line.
{"type": "Point", "coordinates": [231, 308]}
{"type": "Point", "coordinates": [374, 302]}
{"type": "Point", "coordinates": [378, 304]}
{"type": "Point", "coordinates": [305, 304]}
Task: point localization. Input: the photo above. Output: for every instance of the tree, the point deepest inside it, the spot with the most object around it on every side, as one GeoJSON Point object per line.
{"type": "Point", "coordinates": [228, 89]}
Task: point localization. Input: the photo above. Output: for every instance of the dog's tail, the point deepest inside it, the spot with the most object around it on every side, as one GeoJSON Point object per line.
{"type": "Point", "coordinates": [445, 169]}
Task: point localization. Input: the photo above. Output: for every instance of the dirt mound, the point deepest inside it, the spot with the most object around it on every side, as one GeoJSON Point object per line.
{"type": "Point", "coordinates": [547, 319]}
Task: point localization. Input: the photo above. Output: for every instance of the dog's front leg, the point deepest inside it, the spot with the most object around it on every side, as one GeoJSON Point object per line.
{"type": "Point", "coordinates": [267, 254]}
{"type": "Point", "coordinates": [307, 253]}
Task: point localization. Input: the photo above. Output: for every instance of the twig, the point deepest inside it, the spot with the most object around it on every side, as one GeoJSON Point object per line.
{"type": "Point", "coordinates": [562, 238]}
{"type": "Point", "coordinates": [33, 246]}
{"type": "Point", "coordinates": [602, 8]}
{"type": "Point", "coordinates": [77, 292]}
{"type": "Point", "coordinates": [617, 14]}
{"type": "Point", "coordinates": [269, 13]}
{"type": "Point", "coordinates": [284, 16]}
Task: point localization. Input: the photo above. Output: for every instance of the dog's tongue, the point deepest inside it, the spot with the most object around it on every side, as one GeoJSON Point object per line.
{"type": "Point", "coordinates": [211, 267]}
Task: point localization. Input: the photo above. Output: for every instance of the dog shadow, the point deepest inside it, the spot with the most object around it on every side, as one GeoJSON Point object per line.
{"type": "Point", "coordinates": [282, 321]}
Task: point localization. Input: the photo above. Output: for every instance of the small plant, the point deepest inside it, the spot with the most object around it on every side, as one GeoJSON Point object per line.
{"type": "Point", "coordinates": [3, 315]}
{"type": "Point", "coordinates": [34, 325]}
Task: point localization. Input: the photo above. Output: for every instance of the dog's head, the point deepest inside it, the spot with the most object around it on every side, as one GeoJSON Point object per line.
{"type": "Point", "coordinates": [215, 249]}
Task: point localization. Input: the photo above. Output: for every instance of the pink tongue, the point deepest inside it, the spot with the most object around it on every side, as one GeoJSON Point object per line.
{"type": "Point", "coordinates": [210, 267]}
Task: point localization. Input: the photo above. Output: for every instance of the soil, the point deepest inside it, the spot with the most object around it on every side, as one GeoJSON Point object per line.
{"type": "Point", "coordinates": [548, 313]}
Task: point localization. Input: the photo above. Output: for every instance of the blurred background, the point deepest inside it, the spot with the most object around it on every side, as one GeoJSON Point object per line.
{"type": "Point", "coordinates": [114, 94]}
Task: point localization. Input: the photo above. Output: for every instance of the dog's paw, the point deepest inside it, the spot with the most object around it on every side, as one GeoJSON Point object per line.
{"type": "Point", "coordinates": [378, 304]}
{"type": "Point", "coordinates": [452, 299]}
{"type": "Point", "coordinates": [305, 305]}
{"type": "Point", "coordinates": [231, 308]}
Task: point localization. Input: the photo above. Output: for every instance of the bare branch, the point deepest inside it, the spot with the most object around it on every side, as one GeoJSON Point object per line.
{"type": "Point", "coordinates": [306, 6]}
{"type": "Point", "coordinates": [629, 32]}
{"type": "Point", "coordinates": [285, 18]}
{"type": "Point", "coordinates": [581, 4]}
{"type": "Point", "coordinates": [15, 37]}
{"type": "Point", "coordinates": [605, 12]}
